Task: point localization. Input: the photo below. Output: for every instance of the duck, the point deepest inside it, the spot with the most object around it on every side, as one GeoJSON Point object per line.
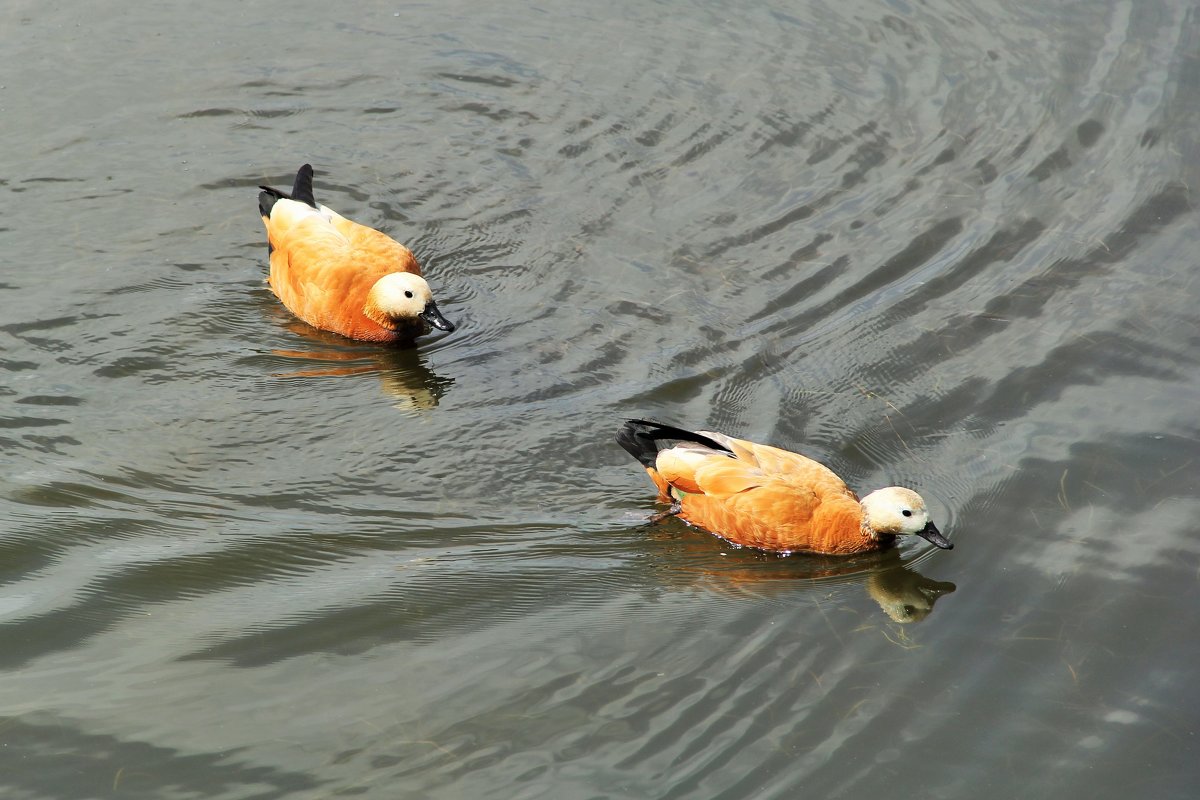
{"type": "Point", "coordinates": [755, 495]}
{"type": "Point", "coordinates": [340, 276]}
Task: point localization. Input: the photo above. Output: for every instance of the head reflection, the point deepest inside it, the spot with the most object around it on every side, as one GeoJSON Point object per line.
{"type": "Point", "coordinates": [891, 580]}
{"type": "Point", "coordinates": [403, 373]}
{"type": "Point", "coordinates": [904, 594]}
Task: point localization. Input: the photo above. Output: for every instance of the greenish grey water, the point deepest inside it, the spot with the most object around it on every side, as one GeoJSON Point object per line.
{"type": "Point", "coordinates": [949, 245]}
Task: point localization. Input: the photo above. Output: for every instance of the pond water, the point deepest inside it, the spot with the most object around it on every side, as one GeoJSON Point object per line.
{"type": "Point", "coordinates": [950, 245]}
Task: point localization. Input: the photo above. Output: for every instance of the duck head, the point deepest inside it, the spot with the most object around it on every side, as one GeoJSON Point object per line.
{"type": "Point", "coordinates": [402, 299]}
{"type": "Point", "coordinates": [900, 512]}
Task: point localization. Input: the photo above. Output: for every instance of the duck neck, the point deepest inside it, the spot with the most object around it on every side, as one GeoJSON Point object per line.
{"type": "Point", "coordinates": [864, 527]}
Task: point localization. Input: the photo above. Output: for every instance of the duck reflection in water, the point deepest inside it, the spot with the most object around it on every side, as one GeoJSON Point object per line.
{"type": "Point", "coordinates": [904, 594]}
{"type": "Point", "coordinates": [403, 374]}
{"type": "Point", "coordinates": [891, 580]}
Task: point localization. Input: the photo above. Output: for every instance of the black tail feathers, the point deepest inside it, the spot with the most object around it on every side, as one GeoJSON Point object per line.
{"type": "Point", "coordinates": [302, 189]}
{"type": "Point", "coordinates": [302, 192]}
{"type": "Point", "coordinates": [640, 439]}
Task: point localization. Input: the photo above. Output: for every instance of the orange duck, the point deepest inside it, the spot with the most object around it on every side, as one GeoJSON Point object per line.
{"type": "Point", "coordinates": [771, 499]}
{"type": "Point", "coordinates": [340, 276]}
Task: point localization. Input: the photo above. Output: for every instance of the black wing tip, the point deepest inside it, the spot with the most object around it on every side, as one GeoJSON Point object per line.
{"type": "Point", "coordinates": [302, 189]}
{"type": "Point", "coordinates": [266, 200]}
{"type": "Point", "coordinates": [640, 439]}
{"type": "Point", "coordinates": [302, 192]}
{"type": "Point", "coordinates": [637, 445]}
{"type": "Point", "coordinates": [661, 430]}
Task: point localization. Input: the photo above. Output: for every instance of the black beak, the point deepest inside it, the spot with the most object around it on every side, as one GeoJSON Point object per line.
{"type": "Point", "coordinates": [435, 318]}
{"type": "Point", "coordinates": [931, 534]}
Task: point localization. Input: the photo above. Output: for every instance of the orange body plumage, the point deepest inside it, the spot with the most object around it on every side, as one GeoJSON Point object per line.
{"type": "Point", "coordinates": [330, 271]}
{"type": "Point", "coordinates": [764, 497]}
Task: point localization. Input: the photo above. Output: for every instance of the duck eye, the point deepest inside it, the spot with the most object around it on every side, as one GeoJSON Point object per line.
{"type": "Point", "coordinates": [906, 512]}
{"type": "Point", "coordinates": [407, 293]}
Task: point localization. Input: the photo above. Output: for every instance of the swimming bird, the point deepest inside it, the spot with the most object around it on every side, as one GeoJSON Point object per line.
{"type": "Point", "coordinates": [340, 276]}
{"type": "Point", "coordinates": [771, 499]}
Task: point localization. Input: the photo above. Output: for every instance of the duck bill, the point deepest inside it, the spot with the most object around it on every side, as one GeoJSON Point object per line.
{"type": "Point", "coordinates": [931, 534]}
{"type": "Point", "coordinates": [435, 318]}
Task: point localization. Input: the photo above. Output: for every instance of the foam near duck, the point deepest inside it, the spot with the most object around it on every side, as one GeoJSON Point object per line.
{"type": "Point", "coordinates": [340, 276]}
{"type": "Point", "coordinates": [764, 497]}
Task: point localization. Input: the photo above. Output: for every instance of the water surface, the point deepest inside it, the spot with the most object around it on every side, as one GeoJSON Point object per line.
{"type": "Point", "coordinates": [949, 245]}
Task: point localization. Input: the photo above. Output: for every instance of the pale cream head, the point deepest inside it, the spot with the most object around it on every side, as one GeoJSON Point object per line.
{"type": "Point", "coordinates": [397, 296]}
{"type": "Point", "coordinates": [401, 297]}
{"type": "Point", "coordinates": [895, 510]}
{"type": "Point", "coordinates": [900, 512]}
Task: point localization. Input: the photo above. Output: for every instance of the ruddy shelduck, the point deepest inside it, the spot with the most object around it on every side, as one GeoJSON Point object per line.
{"type": "Point", "coordinates": [771, 499]}
{"type": "Point", "coordinates": [340, 276]}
